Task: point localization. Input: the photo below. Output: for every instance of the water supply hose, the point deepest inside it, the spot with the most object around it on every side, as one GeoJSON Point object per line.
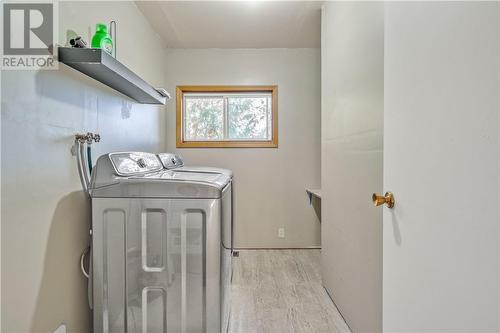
{"type": "Point", "coordinates": [89, 159]}
{"type": "Point", "coordinates": [82, 262]}
{"type": "Point", "coordinates": [79, 166]}
{"type": "Point", "coordinates": [83, 164]}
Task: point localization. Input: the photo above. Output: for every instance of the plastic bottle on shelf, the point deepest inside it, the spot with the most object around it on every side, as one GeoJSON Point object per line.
{"type": "Point", "coordinates": [102, 39]}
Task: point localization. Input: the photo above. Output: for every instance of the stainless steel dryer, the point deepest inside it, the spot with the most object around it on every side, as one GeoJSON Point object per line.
{"type": "Point", "coordinates": [175, 162]}
{"type": "Point", "coordinates": [157, 247]}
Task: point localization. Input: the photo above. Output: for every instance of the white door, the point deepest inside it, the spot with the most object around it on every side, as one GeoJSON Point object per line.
{"type": "Point", "coordinates": [431, 71]}
{"type": "Point", "coordinates": [441, 161]}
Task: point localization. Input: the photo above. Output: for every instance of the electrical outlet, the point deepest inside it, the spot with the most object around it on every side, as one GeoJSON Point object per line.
{"type": "Point", "coordinates": [281, 232]}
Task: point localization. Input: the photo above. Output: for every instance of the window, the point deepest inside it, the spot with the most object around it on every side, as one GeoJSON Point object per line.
{"type": "Point", "coordinates": [227, 116]}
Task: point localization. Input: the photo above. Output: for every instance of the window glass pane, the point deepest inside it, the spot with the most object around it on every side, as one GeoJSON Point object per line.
{"type": "Point", "coordinates": [249, 117]}
{"type": "Point", "coordinates": [203, 118]}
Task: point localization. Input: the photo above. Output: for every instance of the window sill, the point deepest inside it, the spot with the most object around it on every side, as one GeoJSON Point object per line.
{"type": "Point", "coordinates": [227, 144]}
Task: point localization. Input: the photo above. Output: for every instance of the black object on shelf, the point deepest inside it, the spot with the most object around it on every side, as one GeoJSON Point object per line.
{"type": "Point", "coordinates": [101, 66]}
{"type": "Point", "coordinates": [78, 42]}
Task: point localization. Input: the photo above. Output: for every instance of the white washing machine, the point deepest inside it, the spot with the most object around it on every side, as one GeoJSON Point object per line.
{"type": "Point", "coordinates": [158, 254]}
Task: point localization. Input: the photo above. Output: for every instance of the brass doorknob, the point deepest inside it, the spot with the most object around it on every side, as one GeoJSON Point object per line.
{"type": "Point", "coordinates": [387, 199]}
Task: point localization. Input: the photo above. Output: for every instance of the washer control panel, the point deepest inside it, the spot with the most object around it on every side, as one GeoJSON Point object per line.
{"type": "Point", "coordinates": [170, 161]}
{"type": "Point", "coordinates": [134, 163]}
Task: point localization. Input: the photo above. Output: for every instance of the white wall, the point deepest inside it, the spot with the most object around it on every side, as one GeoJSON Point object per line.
{"type": "Point", "coordinates": [269, 183]}
{"type": "Point", "coordinates": [441, 150]}
{"type": "Point", "coordinates": [45, 217]}
{"type": "Point", "coordinates": [352, 64]}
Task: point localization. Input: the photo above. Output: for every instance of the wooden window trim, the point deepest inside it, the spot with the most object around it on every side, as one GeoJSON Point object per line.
{"type": "Point", "coordinates": [273, 143]}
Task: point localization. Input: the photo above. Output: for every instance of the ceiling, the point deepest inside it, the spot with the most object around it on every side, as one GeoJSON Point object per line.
{"type": "Point", "coordinates": [235, 24]}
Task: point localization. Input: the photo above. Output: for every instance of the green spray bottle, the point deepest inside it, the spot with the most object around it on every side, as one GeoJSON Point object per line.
{"type": "Point", "coordinates": [101, 39]}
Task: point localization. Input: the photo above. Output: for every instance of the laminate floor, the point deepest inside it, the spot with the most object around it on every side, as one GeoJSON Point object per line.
{"type": "Point", "coordinates": [280, 291]}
